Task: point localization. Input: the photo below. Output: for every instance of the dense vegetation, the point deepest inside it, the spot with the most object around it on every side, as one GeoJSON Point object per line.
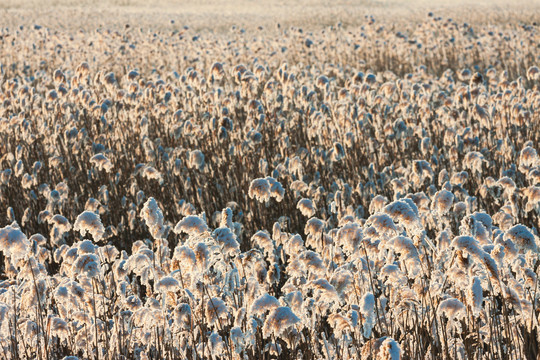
{"type": "Point", "coordinates": [367, 191]}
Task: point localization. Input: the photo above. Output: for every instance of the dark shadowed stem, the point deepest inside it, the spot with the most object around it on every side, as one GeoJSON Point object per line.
{"type": "Point", "coordinates": [40, 315]}
{"type": "Point", "coordinates": [373, 291]}
{"type": "Point", "coordinates": [95, 318]}
{"type": "Point", "coordinates": [219, 322]}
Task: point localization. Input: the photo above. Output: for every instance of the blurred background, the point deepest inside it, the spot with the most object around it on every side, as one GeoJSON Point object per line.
{"type": "Point", "coordinates": [221, 14]}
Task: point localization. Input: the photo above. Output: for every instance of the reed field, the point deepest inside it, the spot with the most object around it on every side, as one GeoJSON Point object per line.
{"type": "Point", "coordinates": [249, 180]}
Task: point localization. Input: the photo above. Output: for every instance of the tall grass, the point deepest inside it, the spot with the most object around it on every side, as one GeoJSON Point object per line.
{"type": "Point", "coordinates": [368, 191]}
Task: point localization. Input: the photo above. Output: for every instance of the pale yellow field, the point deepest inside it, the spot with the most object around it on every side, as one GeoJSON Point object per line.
{"type": "Point", "coordinates": [220, 14]}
